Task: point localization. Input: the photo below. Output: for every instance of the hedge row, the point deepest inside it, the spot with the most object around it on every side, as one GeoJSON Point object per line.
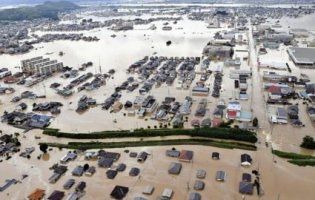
{"type": "Point", "coordinates": [296, 159]}
{"type": "Point", "coordinates": [218, 133]}
{"type": "Point", "coordinates": [101, 145]}
{"type": "Point", "coordinates": [303, 162]}
{"type": "Point", "coordinates": [290, 155]}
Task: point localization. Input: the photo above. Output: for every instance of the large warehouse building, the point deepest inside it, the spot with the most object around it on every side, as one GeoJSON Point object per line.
{"type": "Point", "coordinates": [302, 56]}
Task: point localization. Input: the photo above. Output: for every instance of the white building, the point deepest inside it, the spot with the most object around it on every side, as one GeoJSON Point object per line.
{"type": "Point", "coordinates": [40, 65]}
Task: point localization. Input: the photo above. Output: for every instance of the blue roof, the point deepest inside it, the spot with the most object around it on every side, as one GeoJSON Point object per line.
{"type": "Point", "coordinates": [246, 115]}
{"type": "Point", "coordinates": [40, 118]}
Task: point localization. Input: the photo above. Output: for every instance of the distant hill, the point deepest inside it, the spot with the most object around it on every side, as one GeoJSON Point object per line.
{"type": "Point", "coordinates": [48, 9]}
{"type": "Point", "coordinates": [35, 2]}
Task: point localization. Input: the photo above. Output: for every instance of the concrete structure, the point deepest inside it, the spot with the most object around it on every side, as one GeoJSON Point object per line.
{"type": "Point", "coordinates": [40, 65]}
{"type": "Point", "coordinates": [302, 56]}
{"type": "Point", "coordinates": [218, 52]}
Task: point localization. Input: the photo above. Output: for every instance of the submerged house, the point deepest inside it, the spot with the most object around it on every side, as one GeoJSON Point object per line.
{"type": "Point", "coordinates": [282, 116]}
{"type": "Point", "coordinates": [245, 116]}
{"type": "Point", "coordinates": [218, 51]}
{"type": "Point", "coordinates": [105, 162]}
{"type": "Point", "coordinates": [37, 194]}
{"type": "Point", "coordinates": [39, 121]}
{"type": "Point", "coordinates": [199, 185]}
{"type": "Point", "coordinates": [186, 156]}
{"type": "Point", "coordinates": [106, 154]}
{"type": "Point", "coordinates": [56, 195]}
{"type": "Point", "coordinates": [142, 156]}
{"type": "Point", "coordinates": [274, 92]}
{"type": "Point", "coordinates": [119, 192]}
{"type": "Point", "coordinates": [178, 121]}
{"type": "Point", "coordinates": [78, 171]}
{"type": "Point", "coordinates": [68, 157]}
{"type": "Point", "coordinates": [194, 196]}
{"type": "Point", "coordinates": [246, 187]}
{"type": "Point", "coordinates": [7, 184]}
{"type": "Point", "coordinates": [220, 176]}
{"type": "Point", "coordinates": [311, 113]}
{"type": "Point", "coordinates": [167, 193]}
{"type": "Point", "coordinates": [148, 190]}
{"type": "Point", "coordinates": [185, 107]}
{"type": "Point", "coordinates": [233, 110]}
{"type": "Point", "coordinates": [246, 160]}
{"type": "Point", "coordinates": [172, 153]}
{"type": "Point", "coordinates": [59, 170]}
{"type": "Point", "coordinates": [175, 168]}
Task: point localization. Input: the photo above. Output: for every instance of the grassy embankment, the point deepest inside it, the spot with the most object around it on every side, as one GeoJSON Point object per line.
{"type": "Point", "coordinates": [204, 142]}
{"type": "Point", "coordinates": [205, 137]}
{"type": "Point", "coordinates": [296, 159]}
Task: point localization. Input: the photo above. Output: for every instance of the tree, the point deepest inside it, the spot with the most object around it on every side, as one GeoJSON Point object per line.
{"type": "Point", "coordinates": [43, 147]}
{"type": "Point", "coordinates": [308, 142]}
{"type": "Point", "coordinates": [255, 122]}
{"type": "Point", "coordinates": [86, 167]}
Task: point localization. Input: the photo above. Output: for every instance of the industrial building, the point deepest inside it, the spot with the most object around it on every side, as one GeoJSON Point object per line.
{"type": "Point", "coordinates": [302, 56]}
{"type": "Point", "coordinates": [218, 52]}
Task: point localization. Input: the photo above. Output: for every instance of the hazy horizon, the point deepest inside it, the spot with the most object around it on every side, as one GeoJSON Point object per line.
{"type": "Point", "coordinates": [31, 2]}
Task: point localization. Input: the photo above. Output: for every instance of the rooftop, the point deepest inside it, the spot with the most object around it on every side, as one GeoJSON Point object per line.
{"type": "Point", "coordinates": [303, 56]}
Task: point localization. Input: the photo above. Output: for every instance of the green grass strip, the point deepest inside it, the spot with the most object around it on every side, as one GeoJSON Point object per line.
{"type": "Point", "coordinates": [303, 162]}
{"type": "Point", "coordinates": [216, 133]}
{"type": "Point", "coordinates": [205, 142]}
{"type": "Point", "coordinates": [295, 158]}
{"type": "Point", "coordinates": [290, 155]}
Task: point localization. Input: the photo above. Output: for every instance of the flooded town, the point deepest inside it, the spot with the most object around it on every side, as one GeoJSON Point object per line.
{"type": "Point", "coordinates": [166, 100]}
